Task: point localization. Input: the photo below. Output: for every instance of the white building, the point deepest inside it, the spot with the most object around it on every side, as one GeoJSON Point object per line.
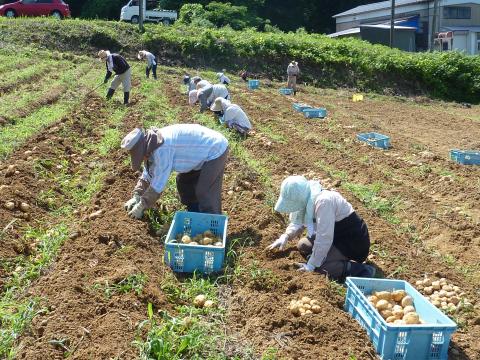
{"type": "Point", "coordinates": [457, 22]}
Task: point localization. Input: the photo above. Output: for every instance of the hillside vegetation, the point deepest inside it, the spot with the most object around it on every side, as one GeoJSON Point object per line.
{"type": "Point", "coordinates": [324, 61]}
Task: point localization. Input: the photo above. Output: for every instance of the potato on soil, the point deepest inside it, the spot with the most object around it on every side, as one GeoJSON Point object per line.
{"type": "Point", "coordinates": [9, 205]}
{"type": "Point", "coordinates": [306, 300]}
{"type": "Point", "coordinates": [208, 304]}
{"type": "Point", "coordinates": [199, 300]}
{"type": "Point", "coordinates": [316, 309]}
{"type": "Point", "coordinates": [295, 309]}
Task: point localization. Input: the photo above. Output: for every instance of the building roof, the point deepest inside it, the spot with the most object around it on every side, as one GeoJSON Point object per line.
{"type": "Point", "coordinates": [462, 28]}
{"type": "Point", "coordinates": [356, 30]}
{"type": "Point", "coordinates": [378, 6]}
{"type": "Point", "coordinates": [345, 32]}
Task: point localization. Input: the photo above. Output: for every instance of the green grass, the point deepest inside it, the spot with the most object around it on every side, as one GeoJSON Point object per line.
{"type": "Point", "coordinates": [132, 283]}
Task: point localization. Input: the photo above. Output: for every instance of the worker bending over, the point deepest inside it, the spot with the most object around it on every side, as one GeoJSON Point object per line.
{"type": "Point", "coordinates": [292, 73]}
{"type": "Point", "coordinates": [341, 241]}
{"type": "Point", "coordinates": [151, 63]}
{"type": "Point", "coordinates": [222, 78]}
{"type": "Point", "coordinates": [190, 82]}
{"type": "Point", "coordinates": [233, 115]}
{"type": "Point", "coordinates": [123, 74]}
{"type": "Point", "coordinates": [198, 154]}
{"type": "Point", "coordinates": [207, 94]}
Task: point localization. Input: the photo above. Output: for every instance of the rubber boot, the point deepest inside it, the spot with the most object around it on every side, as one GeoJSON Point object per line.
{"type": "Point", "coordinates": [126, 96]}
{"type": "Point", "coordinates": [110, 93]}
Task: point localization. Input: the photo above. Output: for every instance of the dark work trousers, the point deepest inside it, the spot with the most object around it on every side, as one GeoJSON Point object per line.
{"type": "Point", "coordinates": [351, 244]}
{"type": "Point", "coordinates": [201, 190]}
{"type": "Point", "coordinates": [154, 71]}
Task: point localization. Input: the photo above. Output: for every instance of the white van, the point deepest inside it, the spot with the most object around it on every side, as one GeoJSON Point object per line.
{"type": "Point", "coordinates": [152, 13]}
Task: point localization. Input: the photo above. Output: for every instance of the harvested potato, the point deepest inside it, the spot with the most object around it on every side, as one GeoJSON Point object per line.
{"type": "Point", "coordinates": [207, 241]}
{"type": "Point", "coordinates": [313, 302]}
{"type": "Point", "coordinates": [308, 312]}
{"type": "Point", "coordinates": [407, 300]}
{"type": "Point", "coordinates": [382, 305]}
{"type": "Point", "coordinates": [398, 295]}
{"type": "Point", "coordinates": [428, 290]}
{"type": "Point", "coordinates": [186, 239]}
{"type": "Point", "coordinates": [24, 207]}
{"type": "Point", "coordinates": [390, 319]}
{"type": "Point", "coordinates": [454, 300]}
{"type": "Point", "coordinates": [411, 318]}
{"type": "Point", "coordinates": [427, 282]}
{"type": "Point", "coordinates": [383, 295]}
{"type": "Point", "coordinates": [316, 309]}
{"type": "Point", "coordinates": [306, 300]}
{"type": "Point", "coordinates": [398, 314]}
{"type": "Point", "coordinates": [208, 304]}
{"type": "Point", "coordinates": [447, 288]}
{"type": "Point", "coordinates": [208, 234]}
{"type": "Point", "coordinates": [419, 282]}
{"type": "Point", "coordinates": [436, 285]}
{"type": "Point", "coordinates": [399, 322]}
{"type": "Point", "coordinates": [193, 243]}
{"type": "Point", "coordinates": [407, 309]}
{"type": "Point", "coordinates": [386, 313]}
{"type": "Point", "coordinates": [219, 244]}
{"type": "Point", "coordinates": [199, 300]}
{"type": "Point", "coordinates": [442, 281]}
{"type": "Point", "coordinates": [307, 306]}
{"type": "Point", "coordinates": [373, 299]}
{"type": "Point", "coordinates": [436, 303]}
{"type": "Point", "coordinates": [295, 309]}
{"type": "Point", "coordinates": [9, 205]}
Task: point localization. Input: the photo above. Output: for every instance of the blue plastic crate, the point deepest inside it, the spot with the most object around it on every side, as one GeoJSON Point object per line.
{"type": "Point", "coordinates": [253, 84]}
{"type": "Point", "coordinates": [189, 258]}
{"type": "Point", "coordinates": [375, 139]}
{"type": "Point", "coordinates": [465, 157]}
{"type": "Point", "coordinates": [315, 113]}
{"type": "Point", "coordinates": [300, 107]}
{"type": "Point", "coordinates": [286, 91]}
{"type": "Point", "coordinates": [400, 342]}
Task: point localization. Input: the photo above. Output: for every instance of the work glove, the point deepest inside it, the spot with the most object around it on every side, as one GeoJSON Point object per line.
{"type": "Point", "coordinates": [132, 202]}
{"type": "Point", "coordinates": [137, 211]}
{"type": "Point", "coordinates": [305, 267]}
{"type": "Point", "coordinates": [280, 243]}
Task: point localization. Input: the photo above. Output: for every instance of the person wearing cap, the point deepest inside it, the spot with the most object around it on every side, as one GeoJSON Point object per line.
{"type": "Point", "coordinates": [222, 78]}
{"type": "Point", "coordinates": [151, 63]}
{"type": "Point", "coordinates": [198, 155]}
{"type": "Point", "coordinates": [339, 241]}
{"type": "Point", "coordinates": [123, 74]}
{"type": "Point", "coordinates": [292, 72]}
{"type": "Point", "coordinates": [233, 115]}
{"type": "Point", "coordinates": [190, 82]}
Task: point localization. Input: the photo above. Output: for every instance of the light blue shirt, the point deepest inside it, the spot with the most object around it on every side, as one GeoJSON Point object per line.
{"type": "Point", "coordinates": [186, 147]}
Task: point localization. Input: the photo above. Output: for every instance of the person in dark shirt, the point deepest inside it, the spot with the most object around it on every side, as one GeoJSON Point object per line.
{"type": "Point", "coordinates": [123, 74]}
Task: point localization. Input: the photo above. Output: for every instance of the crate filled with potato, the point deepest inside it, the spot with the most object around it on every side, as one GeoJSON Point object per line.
{"type": "Point", "coordinates": [196, 242]}
{"type": "Point", "coordinates": [401, 322]}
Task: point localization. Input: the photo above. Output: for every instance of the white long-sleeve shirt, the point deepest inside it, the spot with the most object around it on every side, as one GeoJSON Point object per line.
{"type": "Point", "coordinates": [223, 79]}
{"type": "Point", "coordinates": [330, 207]}
{"type": "Point", "coordinates": [150, 59]}
{"type": "Point", "coordinates": [203, 83]}
{"type": "Point", "coordinates": [186, 147]}
{"type": "Point", "coordinates": [234, 114]}
{"type": "Point", "coordinates": [219, 90]}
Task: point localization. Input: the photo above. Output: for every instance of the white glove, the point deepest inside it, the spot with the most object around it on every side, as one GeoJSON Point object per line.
{"type": "Point", "coordinates": [280, 243]}
{"type": "Point", "coordinates": [305, 267]}
{"type": "Point", "coordinates": [137, 211]}
{"type": "Point", "coordinates": [132, 202]}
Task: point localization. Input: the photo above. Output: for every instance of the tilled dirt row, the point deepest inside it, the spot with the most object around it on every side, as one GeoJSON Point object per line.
{"type": "Point", "coordinates": [298, 155]}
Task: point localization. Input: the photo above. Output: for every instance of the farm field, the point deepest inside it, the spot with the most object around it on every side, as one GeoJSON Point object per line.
{"type": "Point", "coordinates": [79, 279]}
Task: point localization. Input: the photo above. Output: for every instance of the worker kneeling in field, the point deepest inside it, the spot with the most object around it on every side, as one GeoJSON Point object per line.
{"type": "Point", "coordinates": [233, 115]}
{"type": "Point", "coordinates": [341, 242]}
{"type": "Point", "coordinates": [123, 74]}
{"type": "Point", "coordinates": [222, 78]}
{"type": "Point", "coordinates": [207, 94]}
{"type": "Point", "coordinates": [151, 63]}
{"type": "Point", "coordinates": [198, 154]}
{"type": "Point", "coordinates": [292, 72]}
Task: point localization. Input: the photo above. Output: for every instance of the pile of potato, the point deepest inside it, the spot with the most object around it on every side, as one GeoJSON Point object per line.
{"type": "Point", "coordinates": [207, 238]}
{"type": "Point", "coordinates": [443, 295]}
{"type": "Point", "coordinates": [395, 307]}
{"type": "Point", "coordinates": [201, 301]}
{"type": "Point", "coordinates": [304, 306]}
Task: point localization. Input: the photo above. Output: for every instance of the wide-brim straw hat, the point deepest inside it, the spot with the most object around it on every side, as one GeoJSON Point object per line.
{"type": "Point", "coordinates": [217, 105]}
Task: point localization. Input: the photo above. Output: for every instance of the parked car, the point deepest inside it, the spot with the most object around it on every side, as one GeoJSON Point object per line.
{"type": "Point", "coordinates": [56, 8]}
{"type": "Point", "coordinates": [151, 13]}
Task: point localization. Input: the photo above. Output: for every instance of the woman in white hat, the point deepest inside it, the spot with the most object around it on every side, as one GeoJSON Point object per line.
{"type": "Point", "coordinates": [123, 74]}
{"type": "Point", "coordinates": [222, 78]}
{"type": "Point", "coordinates": [341, 242]}
{"type": "Point", "coordinates": [198, 154]}
{"type": "Point", "coordinates": [151, 63]}
{"type": "Point", "coordinates": [233, 115]}
{"type": "Point", "coordinates": [292, 72]}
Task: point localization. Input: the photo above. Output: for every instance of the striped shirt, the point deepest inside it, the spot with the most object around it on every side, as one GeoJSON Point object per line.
{"type": "Point", "coordinates": [186, 147]}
